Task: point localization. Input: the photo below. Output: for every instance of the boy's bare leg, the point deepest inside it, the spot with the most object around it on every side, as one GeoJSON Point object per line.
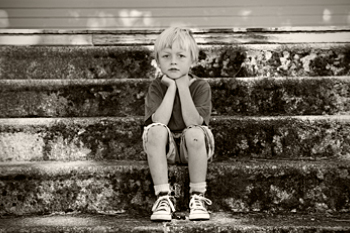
{"type": "Point", "coordinates": [197, 155]}
{"type": "Point", "coordinates": [157, 161]}
{"type": "Point", "coordinates": [197, 165]}
{"type": "Point", "coordinates": [156, 154]}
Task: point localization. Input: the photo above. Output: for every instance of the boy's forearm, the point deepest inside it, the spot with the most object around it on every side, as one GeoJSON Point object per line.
{"type": "Point", "coordinates": [164, 111]}
{"type": "Point", "coordinates": [190, 114]}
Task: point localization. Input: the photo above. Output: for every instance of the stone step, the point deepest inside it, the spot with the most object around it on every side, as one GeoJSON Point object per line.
{"type": "Point", "coordinates": [125, 186]}
{"type": "Point", "coordinates": [213, 36]}
{"type": "Point", "coordinates": [228, 60]}
{"type": "Point", "coordinates": [125, 97]}
{"type": "Point", "coordinates": [69, 139]}
{"type": "Point", "coordinates": [220, 222]}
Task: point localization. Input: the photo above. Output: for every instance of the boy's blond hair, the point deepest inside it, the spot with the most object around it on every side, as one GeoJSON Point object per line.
{"type": "Point", "coordinates": [183, 37]}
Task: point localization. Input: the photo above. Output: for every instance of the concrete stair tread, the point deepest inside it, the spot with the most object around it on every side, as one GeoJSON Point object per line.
{"type": "Point", "coordinates": [266, 167]}
{"type": "Point", "coordinates": [219, 222]}
{"type": "Point", "coordinates": [83, 169]}
{"type": "Point", "coordinates": [58, 166]}
{"type": "Point", "coordinates": [235, 35]}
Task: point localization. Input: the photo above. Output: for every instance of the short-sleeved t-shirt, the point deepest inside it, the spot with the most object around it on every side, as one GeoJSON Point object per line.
{"type": "Point", "coordinates": [201, 95]}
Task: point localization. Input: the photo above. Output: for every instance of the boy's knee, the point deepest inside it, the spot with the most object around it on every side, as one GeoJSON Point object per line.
{"type": "Point", "coordinates": [194, 137]}
{"type": "Point", "coordinates": [157, 134]}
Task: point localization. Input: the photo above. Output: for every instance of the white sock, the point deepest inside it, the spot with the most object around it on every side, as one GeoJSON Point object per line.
{"type": "Point", "coordinates": [162, 188]}
{"type": "Point", "coordinates": [198, 187]}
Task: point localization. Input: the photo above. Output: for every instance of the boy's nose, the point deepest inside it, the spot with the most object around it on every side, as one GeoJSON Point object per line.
{"type": "Point", "coordinates": [173, 60]}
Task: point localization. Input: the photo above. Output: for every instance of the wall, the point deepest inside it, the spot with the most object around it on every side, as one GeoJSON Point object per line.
{"type": "Point", "coordinates": [139, 14]}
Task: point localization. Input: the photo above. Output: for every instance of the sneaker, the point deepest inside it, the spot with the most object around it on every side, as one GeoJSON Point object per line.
{"type": "Point", "coordinates": [163, 208]}
{"type": "Point", "coordinates": [198, 210]}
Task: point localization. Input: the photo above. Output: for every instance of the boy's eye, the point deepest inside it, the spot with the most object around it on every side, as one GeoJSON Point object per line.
{"type": "Point", "coordinates": [181, 55]}
{"type": "Point", "coordinates": [165, 56]}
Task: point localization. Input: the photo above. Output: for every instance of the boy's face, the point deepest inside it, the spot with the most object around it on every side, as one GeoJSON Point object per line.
{"type": "Point", "coordinates": [175, 62]}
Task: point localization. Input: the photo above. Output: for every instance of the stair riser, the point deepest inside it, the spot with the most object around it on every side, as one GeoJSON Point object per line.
{"type": "Point", "coordinates": [120, 138]}
{"type": "Point", "coordinates": [251, 97]}
{"type": "Point", "coordinates": [239, 187]}
{"type": "Point", "coordinates": [68, 62]}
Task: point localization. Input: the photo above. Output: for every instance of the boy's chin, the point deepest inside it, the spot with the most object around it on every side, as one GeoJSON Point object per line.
{"type": "Point", "coordinates": [174, 77]}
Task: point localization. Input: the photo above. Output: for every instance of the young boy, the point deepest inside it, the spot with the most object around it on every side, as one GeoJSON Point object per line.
{"type": "Point", "coordinates": [177, 112]}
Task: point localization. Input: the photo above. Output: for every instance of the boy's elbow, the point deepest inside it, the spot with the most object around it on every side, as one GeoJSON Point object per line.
{"type": "Point", "coordinates": [196, 121]}
{"type": "Point", "coordinates": [159, 120]}
{"type": "Point", "coordinates": [162, 122]}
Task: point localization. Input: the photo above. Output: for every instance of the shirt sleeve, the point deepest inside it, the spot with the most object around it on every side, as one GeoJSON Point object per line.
{"type": "Point", "coordinates": [202, 101]}
{"type": "Point", "coordinates": [153, 100]}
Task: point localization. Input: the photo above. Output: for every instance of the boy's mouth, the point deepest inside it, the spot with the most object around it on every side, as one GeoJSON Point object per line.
{"type": "Point", "coordinates": [173, 69]}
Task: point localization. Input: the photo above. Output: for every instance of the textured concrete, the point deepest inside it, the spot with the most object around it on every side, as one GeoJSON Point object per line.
{"type": "Point", "coordinates": [69, 62]}
{"type": "Point", "coordinates": [40, 99]}
{"type": "Point", "coordinates": [125, 186]}
{"type": "Point", "coordinates": [220, 222]}
{"type": "Point", "coordinates": [247, 96]}
{"type": "Point", "coordinates": [60, 139]}
{"type": "Point", "coordinates": [271, 172]}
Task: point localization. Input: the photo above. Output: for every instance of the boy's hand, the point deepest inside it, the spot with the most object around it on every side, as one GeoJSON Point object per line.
{"type": "Point", "coordinates": [167, 81]}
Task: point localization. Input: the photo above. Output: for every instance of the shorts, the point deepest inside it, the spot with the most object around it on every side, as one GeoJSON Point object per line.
{"type": "Point", "coordinates": [176, 151]}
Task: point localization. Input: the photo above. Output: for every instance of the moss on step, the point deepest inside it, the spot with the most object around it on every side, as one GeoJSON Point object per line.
{"type": "Point", "coordinates": [123, 99]}
{"type": "Point", "coordinates": [274, 61]}
{"type": "Point", "coordinates": [120, 138]}
{"type": "Point", "coordinates": [73, 139]}
{"type": "Point", "coordinates": [249, 97]}
{"type": "Point", "coordinates": [240, 186]}
{"type": "Point", "coordinates": [273, 97]}
{"type": "Point", "coordinates": [64, 62]}
{"type": "Point", "coordinates": [278, 138]}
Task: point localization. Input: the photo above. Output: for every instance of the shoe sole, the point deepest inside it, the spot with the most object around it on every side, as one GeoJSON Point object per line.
{"type": "Point", "coordinates": [198, 217]}
{"type": "Point", "coordinates": [160, 218]}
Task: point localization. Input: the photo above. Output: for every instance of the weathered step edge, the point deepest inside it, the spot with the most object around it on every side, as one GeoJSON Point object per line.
{"type": "Point", "coordinates": [125, 186]}
{"type": "Point", "coordinates": [202, 36]}
{"type": "Point", "coordinates": [125, 97]}
{"type": "Point", "coordinates": [219, 222]}
{"type": "Point", "coordinates": [304, 137]}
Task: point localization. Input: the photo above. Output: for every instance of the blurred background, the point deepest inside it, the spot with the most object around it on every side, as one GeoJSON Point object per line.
{"type": "Point", "coordinates": [157, 14]}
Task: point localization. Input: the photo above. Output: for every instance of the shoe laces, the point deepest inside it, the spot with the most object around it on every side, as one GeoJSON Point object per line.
{"type": "Point", "coordinates": [197, 202]}
{"type": "Point", "coordinates": [163, 203]}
